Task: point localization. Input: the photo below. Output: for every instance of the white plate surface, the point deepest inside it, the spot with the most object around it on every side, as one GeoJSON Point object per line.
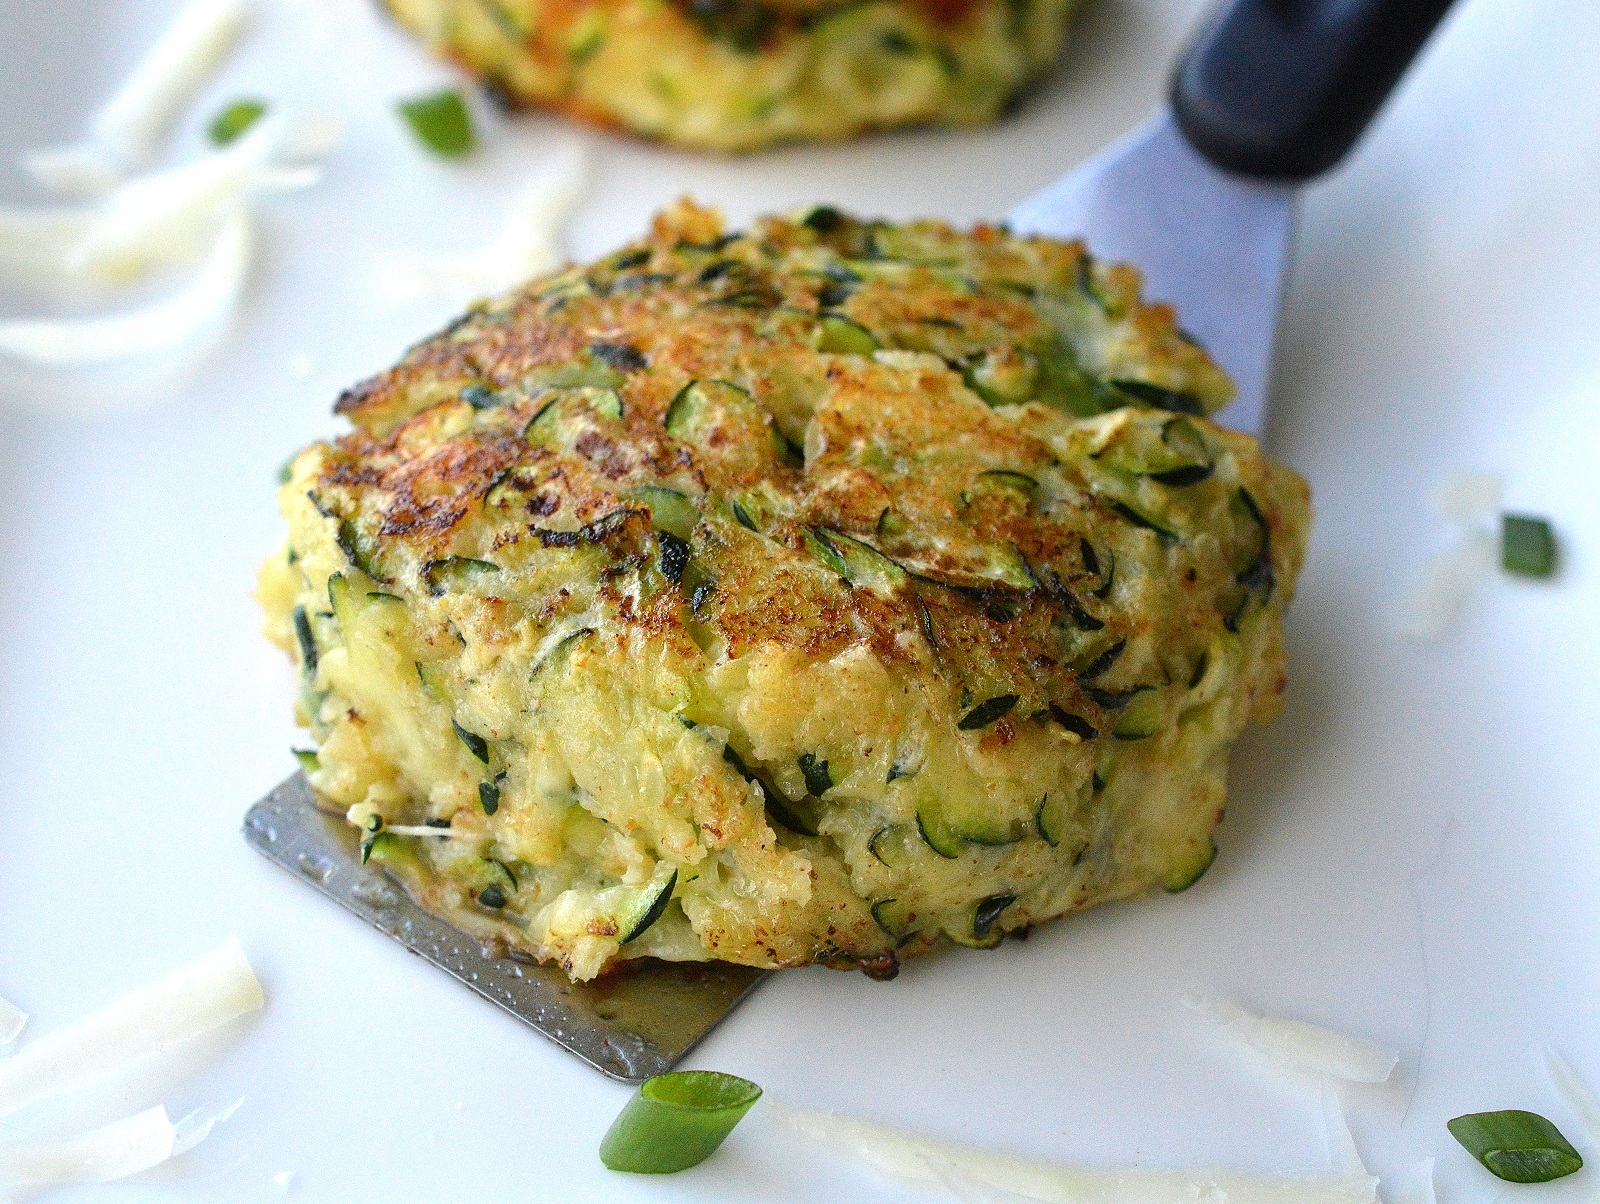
{"type": "Point", "coordinates": [1412, 853]}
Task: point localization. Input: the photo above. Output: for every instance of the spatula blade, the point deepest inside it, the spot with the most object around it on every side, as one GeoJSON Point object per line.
{"type": "Point", "coordinates": [636, 1022]}
{"type": "Point", "coordinates": [1214, 245]}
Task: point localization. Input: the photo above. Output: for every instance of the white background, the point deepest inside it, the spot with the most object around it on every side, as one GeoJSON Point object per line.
{"type": "Point", "coordinates": [1410, 854]}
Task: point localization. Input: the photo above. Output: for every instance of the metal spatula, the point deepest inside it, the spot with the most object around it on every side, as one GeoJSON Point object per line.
{"type": "Point", "coordinates": [1272, 94]}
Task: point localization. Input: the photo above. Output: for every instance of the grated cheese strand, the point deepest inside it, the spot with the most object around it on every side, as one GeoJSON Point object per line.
{"type": "Point", "coordinates": [123, 135]}
{"type": "Point", "coordinates": [12, 1021]}
{"type": "Point", "coordinates": [157, 220]}
{"type": "Point", "coordinates": [1413, 1187]}
{"type": "Point", "coordinates": [160, 326]}
{"type": "Point", "coordinates": [528, 245]}
{"type": "Point", "coordinates": [1005, 1176]}
{"type": "Point", "coordinates": [1344, 1156]}
{"type": "Point", "coordinates": [1298, 1046]}
{"type": "Point", "coordinates": [122, 1148]}
{"type": "Point", "coordinates": [144, 1023]}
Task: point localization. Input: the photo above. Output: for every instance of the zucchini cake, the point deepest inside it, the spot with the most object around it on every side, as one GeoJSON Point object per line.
{"type": "Point", "coordinates": [818, 593]}
{"type": "Point", "coordinates": [737, 75]}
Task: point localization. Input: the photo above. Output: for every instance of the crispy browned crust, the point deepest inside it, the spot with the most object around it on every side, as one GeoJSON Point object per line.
{"type": "Point", "coordinates": [970, 408]}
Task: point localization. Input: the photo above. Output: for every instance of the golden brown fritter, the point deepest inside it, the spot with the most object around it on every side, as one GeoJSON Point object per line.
{"type": "Point", "coordinates": [803, 595]}
{"type": "Point", "coordinates": [738, 75]}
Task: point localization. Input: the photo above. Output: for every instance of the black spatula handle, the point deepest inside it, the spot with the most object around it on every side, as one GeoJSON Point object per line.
{"type": "Point", "coordinates": [1283, 88]}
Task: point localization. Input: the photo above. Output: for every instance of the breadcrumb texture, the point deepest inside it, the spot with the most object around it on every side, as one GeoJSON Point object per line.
{"type": "Point", "coordinates": [738, 75]}
{"type": "Point", "coordinates": [819, 593]}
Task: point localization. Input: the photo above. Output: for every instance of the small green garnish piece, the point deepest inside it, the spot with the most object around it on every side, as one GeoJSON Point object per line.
{"type": "Point", "coordinates": [235, 120]}
{"type": "Point", "coordinates": [489, 797]}
{"type": "Point", "coordinates": [1519, 1147]}
{"type": "Point", "coordinates": [676, 1121]}
{"type": "Point", "coordinates": [441, 122]}
{"type": "Point", "coordinates": [1527, 545]}
{"type": "Point", "coordinates": [309, 762]}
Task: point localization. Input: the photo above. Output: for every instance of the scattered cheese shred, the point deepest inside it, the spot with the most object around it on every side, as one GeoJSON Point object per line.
{"type": "Point", "coordinates": [196, 999]}
{"type": "Point", "coordinates": [120, 1149]}
{"type": "Point", "coordinates": [529, 244]}
{"type": "Point", "coordinates": [152, 222]}
{"type": "Point", "coordinates": [1005, 1177]}
{"type": "Point", "coordinates": [1578, 1094]}
{"type": "Point", "coordinates": [1296, 1045]}
{"type": "Point", "coordinates": [1344, 1156]}
{"type": "Point", "coordinates": [160, 326]}
{"type": "Point", "coordinates": [123, 135]}
{"type": "Point", "coordinates": [417, 830]}
{"type": "Point", "coordinates": [1414, 1187]}
{"type": "Point", "coordinates": [12, 1021]}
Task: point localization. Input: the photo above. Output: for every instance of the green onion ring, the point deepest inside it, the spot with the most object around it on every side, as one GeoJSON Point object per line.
{"type": "Point", "coordinates": [1519, 1147]}
{"type": "Point", "coordinates": [676, 1121]}
{"type": "Point", "coordinates": [441, 122]}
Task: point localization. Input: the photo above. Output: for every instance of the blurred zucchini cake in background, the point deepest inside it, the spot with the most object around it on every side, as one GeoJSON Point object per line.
{"type": "Point", "coordinates": [819, 593]}
{"type": "Point", "coordinates": [738, 75]}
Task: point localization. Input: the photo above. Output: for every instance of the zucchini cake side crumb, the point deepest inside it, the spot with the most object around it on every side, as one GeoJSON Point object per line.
{"type": "Point", "coordinates": [738, 75]}
{"type": "Point", "coordinates": [816, 593]}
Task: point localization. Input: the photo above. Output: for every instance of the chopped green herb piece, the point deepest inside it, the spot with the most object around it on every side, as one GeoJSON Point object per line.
{"type": "Point", "coordinates": [1519, 1147]}
{"type": "Point", "coordinates": [1527, 546]}
{"type": "Point", "coordinates": [489, 797]}
{"type": "Point", "coordinates": [441, 122]}
{"type": "Point", "coordinates": [235, 120]}
{"type": "Point", "coordinates": [676, 1121]}
{"type": "Point", "coordinates": [307, 758]}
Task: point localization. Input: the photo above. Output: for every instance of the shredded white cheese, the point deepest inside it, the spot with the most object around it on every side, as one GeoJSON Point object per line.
{"type": "Point", "coordinates": [123, 135]}
{"type": "Point", "coordinates": [1296, 1045]}
{"type": "Point", "coordinates": [1578, 1094]}
{"type": "Point", "coordinates": [198, 998]}
{"type": "Point", "coordinates": [1344, 1156]}
{"type": "Point", "coordinates": [926, 1160]}
{"type": "Point", "coordinates": [528, 245]}
{"type": "Point", "coordinates": [12, 1021]}
{"type": "Point", "coordinates": [159, 326]}
{"type": "Point", "coordinates": [120, 1149]}
{"type": "Point", "coordinates": [1414, 1187]}
{"type": "Point", "coordinates": [417, 830]}
{"type": "Point", "coordinates": [158, 220]}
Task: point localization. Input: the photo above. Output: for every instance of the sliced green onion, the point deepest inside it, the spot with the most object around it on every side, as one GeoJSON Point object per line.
{"type": "Point", "coordinates": [441, 122]}
{"type": "Point", "coordinates": [1519, 1147]}
{"type": "Point", "coordinates": [1527, 545]}
{"type": "Point", "coordinates": [309, 763]}
{"type": "Point", "coordinates": [676, 1121]}
{"type": "Point", "coordinates": [235, 120]}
